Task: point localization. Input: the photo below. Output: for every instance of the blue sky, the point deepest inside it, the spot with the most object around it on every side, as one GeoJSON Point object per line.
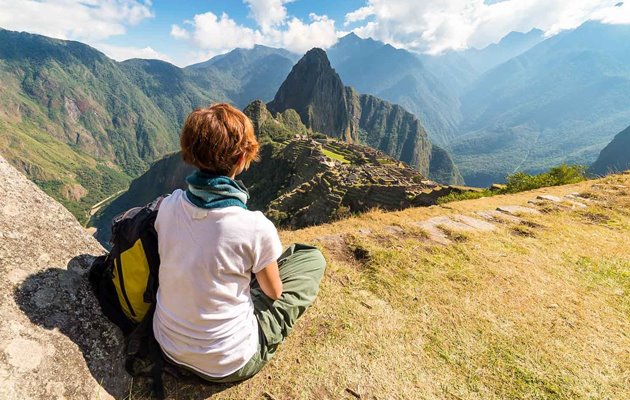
{"type": "Point", "coordinates": [188, 31]}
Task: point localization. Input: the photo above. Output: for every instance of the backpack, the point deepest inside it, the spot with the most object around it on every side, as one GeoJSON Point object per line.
{"type": "Point", "coordinates": [125, 282]}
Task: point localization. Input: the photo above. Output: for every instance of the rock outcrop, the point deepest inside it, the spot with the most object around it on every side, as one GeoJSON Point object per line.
{"type": "Point", "coordinates": [316, 92]}
{"type": "Point", "coordinates": [54, 342]}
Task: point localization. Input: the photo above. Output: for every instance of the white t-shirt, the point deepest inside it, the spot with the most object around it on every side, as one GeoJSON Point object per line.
{"type": "Point", "coordinates": [204, 316]}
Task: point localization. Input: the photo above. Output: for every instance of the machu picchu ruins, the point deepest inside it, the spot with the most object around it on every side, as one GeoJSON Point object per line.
{"type": "Point", "coordinates": [348, 179]}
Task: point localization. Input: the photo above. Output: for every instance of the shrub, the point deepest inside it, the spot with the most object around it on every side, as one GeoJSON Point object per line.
{"type": "Point", "coordinates": [520, 182]}
{"type": "Point", "coordinates": [471, 195]}
{"type": "Point", "coordinates": [561, 175]}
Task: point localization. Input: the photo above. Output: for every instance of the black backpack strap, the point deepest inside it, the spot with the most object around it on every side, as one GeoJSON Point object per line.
{"type": "Point", "coordinates": [157, 359]}
{"type": "Point", "coordinates": [144, 355]}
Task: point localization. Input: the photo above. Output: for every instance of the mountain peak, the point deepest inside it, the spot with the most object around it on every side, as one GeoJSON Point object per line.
{"type": "Point", "coordinates": [313, 81]}
{"type": "Point", "coordinates": [517, 37]}
{"type": "Point", "coordinates": [316, 55]}
{"type": "Point", "coordinates": [350, 38]}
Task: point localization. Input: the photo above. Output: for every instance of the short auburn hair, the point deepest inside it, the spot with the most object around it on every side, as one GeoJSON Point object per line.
{"type": "Point", "coordinates": [213, 139]}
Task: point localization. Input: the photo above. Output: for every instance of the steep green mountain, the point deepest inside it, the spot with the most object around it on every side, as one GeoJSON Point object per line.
{"type": "Point", "coordinates": [316, 92]}
{"type": "Point", "coordinates": [299, 180]}
{"type": "Point", "coordinates": [82, 125]}
{"type": "Point", "coordinates": [73, 120]}
{"type": "Point", "coordinates": [398, 76]}
{"type": "Point", "coordinates": [615, 157]}
{"type": "Point", "coordinates": [172, 89]}
{"type": "Point", "coordinates": [560, 102]}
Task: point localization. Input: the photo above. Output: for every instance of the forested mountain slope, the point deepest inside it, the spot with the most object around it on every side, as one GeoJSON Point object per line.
{"type": "Point", "coordinates": [615, 157]}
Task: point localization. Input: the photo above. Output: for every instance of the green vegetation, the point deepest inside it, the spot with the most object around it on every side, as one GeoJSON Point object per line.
{"type": "Point", "coordinates": [99, 182]}
{"type": "Point", "coordinates": [469, 195]}
{"type": "Point", "coordinates": [335, 156]}
{"type": "Point", "coordinates": [81, 125]}
{"type": "Point", "coordinates": [561, 175]}
{"type": "Point", "coordinates": [611, 272]}
{"type": "Point", "coordinates": [385, 161]}
{"type": "Point", "coordinates": [60, 169]}
{"type": "Point", "coordinates": [520, 182]}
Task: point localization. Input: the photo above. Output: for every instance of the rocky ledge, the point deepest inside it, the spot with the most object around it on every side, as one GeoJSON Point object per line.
{"type": "Point", "coordinates": [54, 341]}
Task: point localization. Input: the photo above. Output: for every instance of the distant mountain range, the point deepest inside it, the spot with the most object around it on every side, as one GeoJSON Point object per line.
{"type": "Point", "coordinates": [427, 86]}
{"type": "Point", "coordinates": [527, 103]}
{"type": "Point", "coordinates": [82, 125]}
{"type": "Point", "coordinates": [401, 77]}
{"type": "Point", "coordinates": [512, 45]}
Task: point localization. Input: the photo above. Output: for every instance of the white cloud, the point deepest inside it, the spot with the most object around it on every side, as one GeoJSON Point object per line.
{"type": "Point", "coordinates": [268, 13]}
{"type": "Point", "coordinates": [300, 37]}
{"type": "Point", "coordinates": [358, 15]}
{"type": "Point", "coordinates": [220, 34]}
{"type": "Point", "coordinates": [617, 14]}
{"type": "Point", "coordinates": [436, 26]}
{"type": "Point", "coordinates": [179, 33]}
{"type": "Point", "coordinates": [213, 35]}
{"type": "Point", "coordinates": [86, 20]}
{"type": "Point", "coordinates": [121, 53]}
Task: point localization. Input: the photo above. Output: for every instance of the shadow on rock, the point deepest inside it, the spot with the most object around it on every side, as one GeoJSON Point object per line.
{"type": "Point", "coordinates": [62, 299]}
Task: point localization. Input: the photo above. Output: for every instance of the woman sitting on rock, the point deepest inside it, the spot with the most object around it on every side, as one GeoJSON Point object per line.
{"type": "Point", "coordinates": [228, 295]}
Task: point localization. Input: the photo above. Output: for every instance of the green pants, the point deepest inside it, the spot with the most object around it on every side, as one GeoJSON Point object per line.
{"type": "Point", "coordinates": [301, 269]}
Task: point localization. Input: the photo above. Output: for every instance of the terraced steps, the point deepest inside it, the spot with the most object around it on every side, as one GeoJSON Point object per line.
{"type": "Point", "coordinates": [439, 230]}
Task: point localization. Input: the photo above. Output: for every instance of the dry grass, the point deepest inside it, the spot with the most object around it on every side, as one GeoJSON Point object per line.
{"type": "Point", "coordinates": [532, 311]}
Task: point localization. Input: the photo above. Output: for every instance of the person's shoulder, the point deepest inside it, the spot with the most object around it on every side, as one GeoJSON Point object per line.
{"type": "Point", "coordinates": [253, 217]}
{"type": "Point", "coordinates": [172, 198]}
{"type": "Point", "coordinates": [177, 194]}
{"type": "Point", "coordinates": [261, 218]}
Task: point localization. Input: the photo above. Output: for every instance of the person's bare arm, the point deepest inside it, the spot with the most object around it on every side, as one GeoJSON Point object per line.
{"type": "Point", "coordinates": [269, 280]}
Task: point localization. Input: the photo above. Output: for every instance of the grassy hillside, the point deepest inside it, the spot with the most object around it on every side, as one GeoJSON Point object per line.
{"type": "Point", "coordinates": [536, 309]}
{"type": "Point", "coordinates": [73, 120]}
